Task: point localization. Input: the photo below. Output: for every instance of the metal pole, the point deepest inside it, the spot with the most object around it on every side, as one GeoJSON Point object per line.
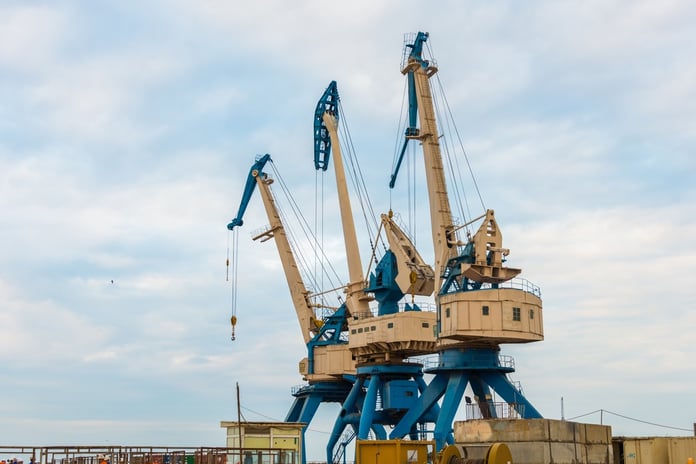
{"type": "Point", "coordinates": [239, 424]}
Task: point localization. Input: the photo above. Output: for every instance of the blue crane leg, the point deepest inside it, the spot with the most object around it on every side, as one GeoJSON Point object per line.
{"type": "Point", "coordinates": [296, 409]}
{"type": "Point", "coordinates": [434, 410]}
{"type": "Point", "coordinates": [303, 410]}
{"type": "Point", "coordinates": [483, 392]}
{"type": "Point", "coordinates": [450, 402]}
{"type": "Point", "coordinates": [379, 431]}
{"type": "Point", "coordinates": [368, 410]}
{"type": "Point", "coordinates": [425, 401]}
{"type": "Point", "coordinates": [341, 421]}
{"type": "Point", "coordinates": [500, 383]}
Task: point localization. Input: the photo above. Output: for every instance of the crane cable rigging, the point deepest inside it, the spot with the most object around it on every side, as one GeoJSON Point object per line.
{"type": "Point", "coordinates": [235, 266]}
{"type": "Point", "coordinates": [443, 109]}
{"type": "Point", "coordinates": [451, 146]}
{"type": "Point", "coordinates": [327, 271]}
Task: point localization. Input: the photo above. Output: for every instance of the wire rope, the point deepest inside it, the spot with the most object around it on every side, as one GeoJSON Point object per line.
{"type": "Point", "coordinates": [358, 180]}
{"type": "Point", "coordinates": [630, 418]}
{"type": "Point", "coordinates": [327, 270]}
{"type": "Point", "coordinates": [235, 267]}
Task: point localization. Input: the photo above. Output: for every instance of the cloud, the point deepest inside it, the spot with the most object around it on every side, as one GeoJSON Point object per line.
{"type": "Point", "coordinates": [30, 36]}
{"type": "Point", "coordinates": [127, 132]}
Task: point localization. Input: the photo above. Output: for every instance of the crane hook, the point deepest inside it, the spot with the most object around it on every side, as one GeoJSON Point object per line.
{"type": "Point", "coordinates": [233, 321]}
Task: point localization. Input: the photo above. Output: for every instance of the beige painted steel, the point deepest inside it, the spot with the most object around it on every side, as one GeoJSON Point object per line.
{"type": "Point", "coordinates": [330, 361]}
{"type": "Point", "coordinates": [415, 276]}
{"type": "Point", "coordinates": [463, 319]}
{"type": "Point", "coordinates": [654, 450]}
{"type": "Point", "coordinates": [489, 254]}
{"type": "Point", "coordinates": [336, 361]}
{"type": "Point", "coordinates": [490, 316]}
{"type": "Point", "coordinates": [444, 237]}
{"type": "Point", "coordinates": [298, 291]}
{"type": "Point", "coordinates": [356, 299]}
{"type": "Point", "coordinates": [394, 336]}
{"type": "Point", "coordinates": [541, 441]}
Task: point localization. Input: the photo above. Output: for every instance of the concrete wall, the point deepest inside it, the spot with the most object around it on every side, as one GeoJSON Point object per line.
{"type": "Point", "coordinates": [541, 441]}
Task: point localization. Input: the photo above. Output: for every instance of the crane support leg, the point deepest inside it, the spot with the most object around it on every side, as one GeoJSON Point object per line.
{"type": "Point", "coordinates": [426, 401]}
{"type": "Point", "coordinates": [456, 385]}
{"type": "Point", "coordinates": [369, 407]}
{"type": "Point", "coordinates": [484, 397]}
{"type": "Point", "coordinates": [349, 406]}
{"type": "Point", "coordinates": [511, 395]}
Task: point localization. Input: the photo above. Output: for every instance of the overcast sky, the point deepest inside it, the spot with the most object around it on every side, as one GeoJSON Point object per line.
{"type": "Point", "coordinates": [127, 130]}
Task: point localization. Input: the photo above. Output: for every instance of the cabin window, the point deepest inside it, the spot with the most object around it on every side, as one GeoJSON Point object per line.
{"type": "Point", "coordinates": [374, 327]}
{"type": "Point", "coordinates": [360, 330]}
{"type": "Point", "coordinates": [447, 312]}
{"type": "Point", "coordinates": [516, 314]}
{"type": "Point", "coordinates": [352, 331]}
{"type": "Point", "coordinates": [425, 324]}
{"type": "Point", "coordinates": [484, 310]}
{"type": "Point", "coordinates": [531, 314]}
{"type": "Point", "coordinates": [390, 325]}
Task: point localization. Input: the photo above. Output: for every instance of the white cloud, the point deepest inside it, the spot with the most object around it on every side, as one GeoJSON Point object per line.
{"type": "Point", "coordinates": [123, 152]}
{"type": "Point", "coordinates": [31, 35]}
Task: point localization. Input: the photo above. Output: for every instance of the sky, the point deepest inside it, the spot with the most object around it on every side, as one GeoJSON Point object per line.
{"type": "Point", "coordinates": [127, 130]}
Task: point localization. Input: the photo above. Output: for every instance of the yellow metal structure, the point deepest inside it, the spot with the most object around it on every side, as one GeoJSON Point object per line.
{"type": "Point", "coordinates": [423, 452]}
{"type": "Point", "coordinates": [393, 452]}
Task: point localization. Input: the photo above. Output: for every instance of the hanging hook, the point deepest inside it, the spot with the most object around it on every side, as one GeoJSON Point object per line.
{"type": "Point", "coordinates": [233, 321]}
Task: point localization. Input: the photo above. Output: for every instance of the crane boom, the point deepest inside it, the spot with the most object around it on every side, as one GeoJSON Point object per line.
{"type": "Point", "coordinates": [298, 291]}
{"type": "Point", "coordinates": [326, 138]}
{"type": "Point", "coordinates": [419, 72]}
{"type": "Point", "coordinates": [249, 187]}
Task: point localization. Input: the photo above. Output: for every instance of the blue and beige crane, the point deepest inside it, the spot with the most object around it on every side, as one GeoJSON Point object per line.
{"type": "Point", "coordinates": [328, 367]}
{"type": "Point", "coordinates": [387, 384]}
{"type": "Point", "coordinates": [479, 305]}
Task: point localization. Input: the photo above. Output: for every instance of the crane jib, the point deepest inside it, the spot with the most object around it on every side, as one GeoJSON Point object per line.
{"type": "Point", "coordinates": [322, 142]}
{"type": "Point", "coordinates": [256, 168]}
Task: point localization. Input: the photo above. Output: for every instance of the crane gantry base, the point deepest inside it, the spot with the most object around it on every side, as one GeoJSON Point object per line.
{"type": "Point", "coordinates": [458, 367]}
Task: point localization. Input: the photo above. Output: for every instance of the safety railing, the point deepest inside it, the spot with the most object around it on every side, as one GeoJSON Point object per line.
{"type": "Point", "coordinates": [93, 454]}
{"type": "Point", "coordinates": [494, 410]}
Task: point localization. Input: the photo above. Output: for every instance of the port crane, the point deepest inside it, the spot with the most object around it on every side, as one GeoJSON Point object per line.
{"type": "Point", "coordinates": [386, 384]}
{"type": "Point", "coordinates": [328, 367]}
{"type": "Point", "coordinates": [479, 306]}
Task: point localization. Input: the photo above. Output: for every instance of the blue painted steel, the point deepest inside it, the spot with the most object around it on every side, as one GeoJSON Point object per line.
{"type": "Point", "coordinates": [511, 395]}
{"type": "Point", "coordinates": [329, 334]}
{"type": "Point", "coordinates": [361, 410]}
{"type": "Point", "coordinates": [479, 367]}
{"type": "Point", "coordinates": [308, 399]}
{"type": "Point", "coordinates": [399, 394]}
{"type": "Point", "coordinates": [256, 169]}
{"type": "Point", "coordinates": [322, 141]}
{"type": "Point", "coordinates": [350, 405]}
{"type": "Point", "coordinates": [383, 285]}
{"type": "Point", "coordinates": [485, 400]}
{"type": "Point", "coordinates": [369, 412]}
{"type": "Point", "coordinates": [412, 129]}
{"type": "Point", "coordinates": [427, 401]}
